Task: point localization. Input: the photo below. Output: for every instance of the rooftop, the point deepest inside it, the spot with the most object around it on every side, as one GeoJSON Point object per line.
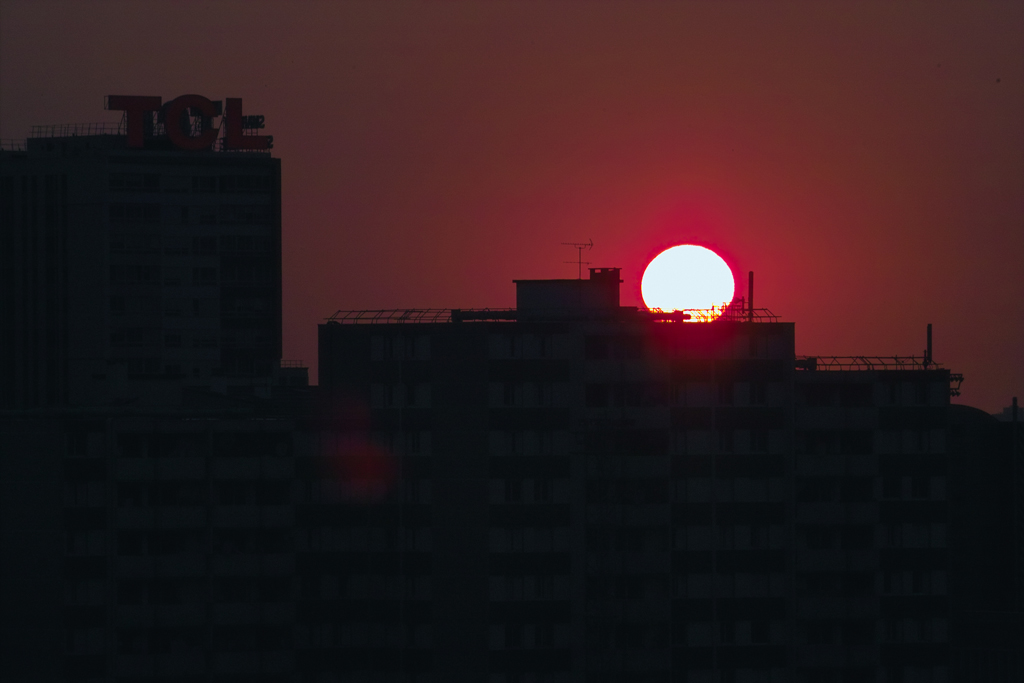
{"type": "Point", "coordinates": [734, 313]}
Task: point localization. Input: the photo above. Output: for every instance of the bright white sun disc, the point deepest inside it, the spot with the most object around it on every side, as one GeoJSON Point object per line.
{"type": "Point", "coordinates": [687, 277]}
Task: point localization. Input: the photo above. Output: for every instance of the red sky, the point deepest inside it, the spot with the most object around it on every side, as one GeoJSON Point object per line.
{"type": "Point", "coordinates": [865, 159]}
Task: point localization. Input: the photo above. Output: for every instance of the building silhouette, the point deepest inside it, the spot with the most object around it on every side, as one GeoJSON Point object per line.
{"type": "Point", "coordinates": [132, 272]}
{"type": "Point", "coordinates": [571, 490]}
{"type": "Point", "coordinates": [627, 497]}
{"type": "Point", "coordinates": [146, 437]}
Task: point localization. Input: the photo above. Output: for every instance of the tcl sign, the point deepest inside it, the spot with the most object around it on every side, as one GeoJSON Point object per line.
{"type": "Point", "coordinates": [137, 107]}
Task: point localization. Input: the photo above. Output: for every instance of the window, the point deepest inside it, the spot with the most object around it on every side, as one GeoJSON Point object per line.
{"type": "Point", "coordinates": [597, 395]}
{"type": "Point", "coordinates": [855, 395]}
{"type": "Point", "coordinates": [244, 214]}
{"type": "Point", "coordinates": [131, 592]}
{"type": "Point", "coordinates": [857, 489]}
{"type": "Point", "coordinates": [856, 441]}
{"type": "Point", "coordinates": [204, 276]}
{"type": "Point", "coordinates": [819, 538]}
{"type": "Point", "coordinates": [760, 535]}
{"type": "Point", "coordinates": [513, 491]}
{"type": "Point", "coordinates": [596, 348]}
{"type": "Point", "coordinates": [207, 214]}
{"type": "Point", "coordinates": [630, 347]}
{"type": "Point", "coordinates": [204, 184]}
{"type": "Point", "coordinates": [134, 182]}
{"type": "Point", "coordinates": [860, 537]}
{"type": "Point", "coordinates": [821, 633]}
{"type": "Point", "coordinates": [204, 245]}
{"type": "Point", "coordinates": [129, 274]}
{"type": "Point", "coordinates": [816, 489]}
{"type": "Point", "coordinates": [131, 543]}
{"type": "Point", "coordinates": [819, 395]}
{"type": "Point", "coordinates": [726, 440]}
{"type": "Point", "coordinates": [679, 444]}
{"type": "Point", "coordinates": [514, 635]}
{"type": "Point", "coordinates": [759, 441]}
{"type": "Point", "coordinates": [135, 213]}
{"type": "Point", "coordinates": [244, 184]}
{"type": "Point", "coordinates": [857, 632]}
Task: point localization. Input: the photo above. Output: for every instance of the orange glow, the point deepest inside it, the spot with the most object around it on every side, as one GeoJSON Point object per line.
{"type": "Point", "coordinates": [688, 277]}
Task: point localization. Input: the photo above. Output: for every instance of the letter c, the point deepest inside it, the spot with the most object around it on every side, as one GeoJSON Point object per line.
{"type": "Point", "coordinates": [172, 119]}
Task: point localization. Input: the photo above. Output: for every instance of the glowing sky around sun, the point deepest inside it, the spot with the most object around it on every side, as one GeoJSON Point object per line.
{"type": "Point", "coordinates": [687, 277]}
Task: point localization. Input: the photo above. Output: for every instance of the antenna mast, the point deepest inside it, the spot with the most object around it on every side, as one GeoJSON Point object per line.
{"type": "Point", "coordinates": [579, 246]}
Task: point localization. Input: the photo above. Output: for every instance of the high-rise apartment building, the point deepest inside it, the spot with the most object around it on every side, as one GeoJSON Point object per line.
{"type": "Point", "coordinates": [146, 482]}
{"type": "Point", "coordinates": [132, 268]}
{"type": "Point", "coordinates": [594, 492]}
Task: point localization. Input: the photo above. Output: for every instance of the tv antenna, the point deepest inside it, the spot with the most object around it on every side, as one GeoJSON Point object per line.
{"type": "Point", "coordinates": [579, 246]}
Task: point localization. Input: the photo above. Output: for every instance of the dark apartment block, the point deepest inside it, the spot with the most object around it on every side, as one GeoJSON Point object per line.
{"type": "Point", "coordinates": [664, 500]}
{"type": "Point", "coordinates": [128, 273]}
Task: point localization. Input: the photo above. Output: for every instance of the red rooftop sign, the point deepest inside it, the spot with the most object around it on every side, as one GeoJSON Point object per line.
{"type": "Point", "coordinates": [137, 107]}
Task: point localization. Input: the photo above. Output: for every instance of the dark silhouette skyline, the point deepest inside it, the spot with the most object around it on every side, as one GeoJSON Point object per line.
{"type": "Point", "coordinates": [569, 490]}
{"type": "Point", "coordinates": [863, 158]}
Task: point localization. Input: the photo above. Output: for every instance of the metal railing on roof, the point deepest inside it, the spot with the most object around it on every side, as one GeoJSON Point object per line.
{"type": "Point", "coordinates": [733, 312]}
{"type": "Point", "coordinates": [69, 130]}
{"type": "Point", "coordinates": [379, 317]}
{"type": "Point", "coordinates": [854, 363]}
{"type": "Point", "coordinates": [157, 131]}
{"type": "Point", "coordinates": [847, 363]}
{"type": "Point", "coordinates": [447, 315]}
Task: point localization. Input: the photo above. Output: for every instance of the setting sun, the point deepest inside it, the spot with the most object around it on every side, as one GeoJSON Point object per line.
{"type": "Point", "coordinates": [687, 277]}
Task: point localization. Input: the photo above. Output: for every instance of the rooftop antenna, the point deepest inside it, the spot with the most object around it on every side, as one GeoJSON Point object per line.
{"type": "Point", "coordinates": [928, 350]}
{"type": "Point", "coordinates": [579, 246]}
{"type": "Point", "coordinates": [750, 297]}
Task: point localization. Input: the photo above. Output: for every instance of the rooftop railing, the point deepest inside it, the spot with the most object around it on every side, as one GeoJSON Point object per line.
{"type": "Point", "coordinates": [855, 363]}
{"type": "Point", "coordinates": [456, 315]}
{"type": "Point", "coordinates": [847, 363]}
{"type": "Point", "coordinates": [70, 130]}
